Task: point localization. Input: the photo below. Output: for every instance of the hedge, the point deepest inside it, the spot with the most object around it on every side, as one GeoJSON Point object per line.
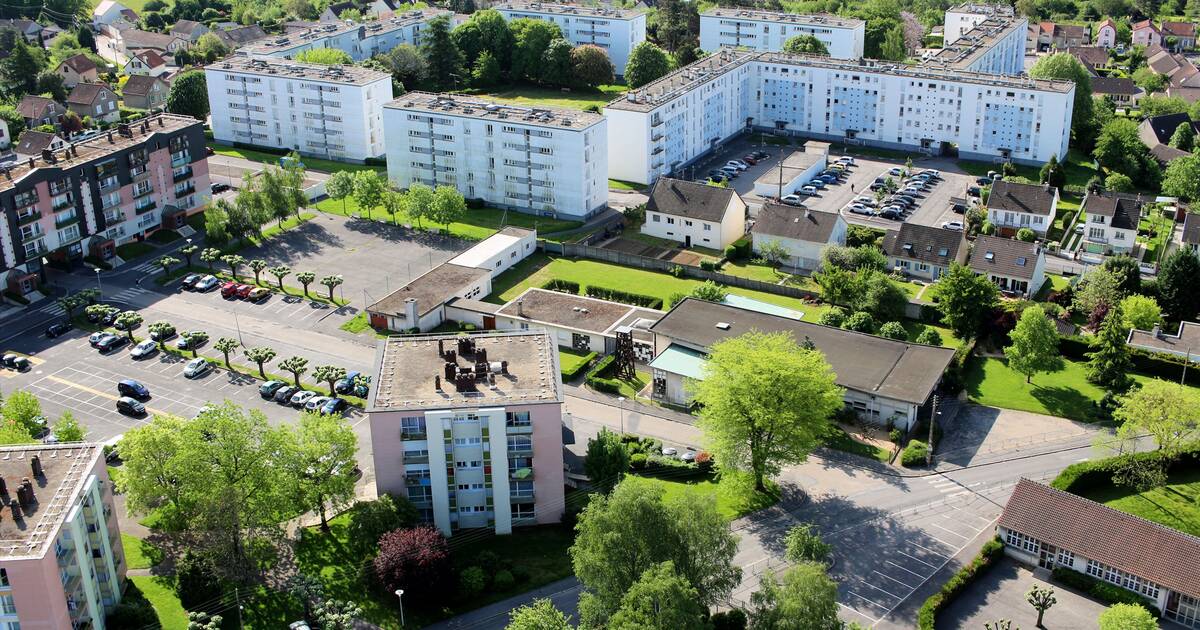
{"type": "Point", "coordinates": [1101, 590]}
{"type": "Point", "coordinates": [562, 286]}
{"type": "Point", "coordinates": [1081, 477]}
{"type": "Point", "coordinates": [1156, 364]}
{"type": "Point", "coordinates": [580, 367]}
{"type": "Point", "coordinates": [991, 552]}
{"type": "Point", "coordinates": [614, 295]}
{"type": "Point", "coordinates": [262, 148]}
{"type": "Point", "coordinates": [596, 381]}
{"type": "Point", "coordinates": [914, 454]}
{"type": "Point", "coordinates": [741, 248]}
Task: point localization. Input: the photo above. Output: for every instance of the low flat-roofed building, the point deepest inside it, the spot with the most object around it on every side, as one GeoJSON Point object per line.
{"type": "Point", "coordinates": [1184, 343]}
{"type": "Point", "coordinates": [885, 380]}
{"type": "Point", "coordinates": [796, 170]}
{"type": "Point", "coordinates": [499, 251]}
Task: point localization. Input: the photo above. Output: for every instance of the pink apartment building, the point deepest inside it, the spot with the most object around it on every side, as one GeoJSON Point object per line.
{"type": "Point", "coordinates": [61, 560]}
{"type": "Point", "coordinates": [469, 428]}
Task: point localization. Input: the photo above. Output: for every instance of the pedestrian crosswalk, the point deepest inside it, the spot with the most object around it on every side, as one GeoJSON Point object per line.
{"type": "Point", "coordinates": [54, 309]}
{"type": "Point", "coordinates": [147, 267]}
{"type": "Point", "coordinates": [128, 294]}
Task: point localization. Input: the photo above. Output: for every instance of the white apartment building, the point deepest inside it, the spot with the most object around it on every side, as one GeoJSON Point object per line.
{"type": "Point", "coordinates": [545, 161]}
{"type": "Point", "coordinates": [614, 29]}
{"type": "Point", "coordinates": [669, 123]}
{"type": "Point", "coordinates": [967, 16]}
{"type": "Point", "coordinates": [994, 43]}
{"type": "Point", "coordinates": [333, 112]}
{"type": "Point", "coordinates": [360, 41]}
{"type": "Point", "coordinates": [768, 31]}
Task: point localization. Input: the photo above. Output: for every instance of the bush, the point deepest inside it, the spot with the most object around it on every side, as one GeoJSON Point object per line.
{"type": "Point", "coordinates": [676, 270]}
{"type": "Point", "coordinates": [637, 461]}
{"type": "Point", "coordinates": [708, 265]}
{"type": "Point", "coordinates": [730, 252]}
{"type": "Point", "coordinates": [896, 436]}
{"type": "Point", "coordinates": [134, 611]}
{"type": "Point", "coordinates": [914, 454]}
{"type": "Point", "coordinates": [562, 286]}
{"type": "Point", "coordinates": [741, 248]}
{"type": "Point", "coordinates": [1081, 477]}
{"type": "Point", "coordinates": [733, 619]}
{"type": "Point", "coordinates": [579, 367]}
{"type": "Point", "coordinates": [369, 520]}
{"type": "Point", "coordinates": [503, 581]}
{"type": "Point", "coordinates": [472, 581]}
{"type": "Point", "coordinates": [833, 317]}
{"type": "Point", "coordinates": [417, 559]}
{"type": "Point", "coordinates": [1101, 590]}
{"type": "Point", "coordinates": [930, 337]}
{"type": "Point", "coordinates": [614, 295]}
{"type": "Point", "coordinates": [991, 552]}
{"type": "Point", "coordinates": [860, 322]}
{"type": "Point", "coordinates": [894, 330]}
{"type": "Point", "coordinates": [96, 262]}
{"type": "Point", "coordinates": [521, 574]}
{"type": "Point", "coordinates": [196, 582]}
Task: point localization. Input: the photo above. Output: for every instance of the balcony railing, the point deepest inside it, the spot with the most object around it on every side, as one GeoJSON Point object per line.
{"type": "Point", "coordinates": [656, 123]}
{"type": "Point", "coordinates": [62, 222]}
{"type": "Point", "coordinates": [59, 187]}
{"type": "Point", "coordinates": [28, 218]}
{"type": "Point", "coordinates": [140, 173]}
{"type": "Point", "coordinates": [110, 183]}
{"type": "Point", "coordinates": [33, 237]}
{"type": "Point", "coordinates": [186, 190]}
{"type": "Point", "coordinates": [179, 159]}
{"type": "Point", "coordinates": [146, 207]}
{"type": "Point", "coordinates": [413, 435]}
{"type": "Point", "coordinates": [36, 252]}
{"type": "Point", "coordinates": [24, 201]}
{"type": "Point", "coordinates": [528, 476]}
{"type": "Point", "coordinates": [415, 480]}
{"type": "Point", "coordinates": [521, 495]}
{"type": "Point", "coordinates": [64, 204]}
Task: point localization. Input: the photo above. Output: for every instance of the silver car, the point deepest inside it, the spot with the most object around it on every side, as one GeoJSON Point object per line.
{"type": "Point", "coordinates": [315, 403]}
{"type": "Point", "coordinates": [196, 367]}
{"type": "Point", "coordinates": [144, 349]}
{"type": "Point", "coordinates": [301, 398]}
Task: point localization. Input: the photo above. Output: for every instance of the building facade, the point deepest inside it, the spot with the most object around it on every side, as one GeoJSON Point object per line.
{"type": "Point", "coordinates": [768, 31]}
{"type": "Point", "coordinates": [544, 161]}
{"type": "Point", "coordinates": [666, 125]}
{"type": "Point", "coordinates": [334, 112]}
{"type": "Point", "coordinates": [1015, 267]}
{"type": "Point", "coordinates": [1106, 34]}
{"type": "Point", "coordinates": [469, 428]}
{"type": "Point", "coordinates": [694, 214]}
{"type": "Point", "coordinates": [1112, 222]}
{"type": "Point", "coordinates": [62, 564]}
{"type": "Point", "coordinates": [1013, 206]}
{"type": "Point", "coordinates": [803, 233]}
{"type": "Point", "coordinates": [94, 195]}
{"type": "Point", "coordinates": [360, 41]}
{"type": "Point", "coordinates": [615, 30]}
{"type": "Point", "coordinates": [994, 44]}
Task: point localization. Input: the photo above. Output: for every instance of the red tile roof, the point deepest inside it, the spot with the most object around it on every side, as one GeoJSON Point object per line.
{"type": "Point", "coordinates": [1180, 29]}
{"type": "Point", "coordinates": [1148, 550]}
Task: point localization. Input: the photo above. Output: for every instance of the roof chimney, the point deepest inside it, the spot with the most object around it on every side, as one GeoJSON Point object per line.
{"type": "Point", "coordinates": [410, 312]}
{"type": "Point", "coordinates": [520, 308]}
{"type": "Point", "coordinates": [1156, 331]}
{"type": "Point", "coordinates": [35, 464]}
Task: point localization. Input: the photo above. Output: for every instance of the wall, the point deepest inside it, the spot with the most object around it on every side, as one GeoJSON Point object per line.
{"type": "Point", "coordinates": [771, 34]}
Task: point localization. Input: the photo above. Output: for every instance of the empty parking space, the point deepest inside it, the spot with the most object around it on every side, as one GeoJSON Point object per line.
{"type": "Point", "coordinates": [296, 311]}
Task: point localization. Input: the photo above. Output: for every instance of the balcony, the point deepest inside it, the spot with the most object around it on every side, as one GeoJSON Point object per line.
{"type": "Point", "coordinates": [521, 496]}
{"type": "Point", "coordinates": [415, 480]}
{"type": "Point", "coordinates": [143, 208]}
{"type": "Point", "coordinates": [28, 218]}
{"type": "Point", "coordinates": [109, 183]}
{"type": "Point", "coordinates": [416, 458]}
{"type": "Point", "coordinates": [421, 501]}
{"type": "Point", "coordinates": [32, 237]}
{"type": "Point", "coordinates": [656, 151]}
{"type": "Point", "coordinates": [138, 193]}
{"type": "Point", "coordinates": [656, 122]}
{"type": "Point", "coordinates": [179, 159]}
{"type": "Point", "coordinates": [24, 201]}
{"type": "Point", "coordinates": [63, 204]}
{"type": "Point", "coordinates": [413, 435]}
{"type": "Point", "coordinates": [524, 476]}
{"type": "Point", "coordinates": [656, 137]}
{"type": "Point", "coordinates": [59, 187]}
{"type": "Point", "coordinates": [140, 173]}
{"type": "Point", "coordinates": [186, 190]}
{"type": "Point", "coordinates": [62, 222]}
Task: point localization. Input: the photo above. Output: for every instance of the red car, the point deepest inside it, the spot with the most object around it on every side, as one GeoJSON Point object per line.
{"type": "Point", "coordinates": [749, 159]}
{"type": "Point", "coordinates": [244, 290]}
{"type": "Point", "coordinates": [229, 289]}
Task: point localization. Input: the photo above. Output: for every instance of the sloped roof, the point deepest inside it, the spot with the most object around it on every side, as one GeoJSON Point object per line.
{"type": "Point", "coordinates": [1144, 24]}
{"type": "Point", "coordinates": [1114, 85]}
{"type": "Point", "coordinates": [1179, 29]}
{"type": "Point", "coordinates": [29, 27]}
{"type": "Point", "coordinates": [235, 37]}
{"type": "Point", "coordinates": [136, 38]}
{"type": "Point", "coordinates": [801, 224]}
{"type": "Point", "coordinates": [80, 63]}
{"type": "Point", "coordinates": [682, 198]}
{"type": "Point", "coordinates": [87, 93]}
{"type": "Point", "coordinates": [923, 243]}
{"type": "Point", "coordinates": [1123, 211]}
{"type": "Point", "coordinates": [1028, 198]}
{"type": "Point", "coordinates": [1191, 229]}
{"type": "Point", "coordinates": [140, 85]}
{"type": "Point", "coordinates": [32, 142]}
{"type": "Point", "coordinates": [1161, 128]}
{"type": "Point", "coordinates": [34, 107]}
{"type": "Point", "coordinates": [1005, 257]}
{"type": "Point", "coordinates": [151, 58]}
{"type": "Point", "coordinates": [1089, 55]}
{"type": "Point", "coordinates": [186, 28]}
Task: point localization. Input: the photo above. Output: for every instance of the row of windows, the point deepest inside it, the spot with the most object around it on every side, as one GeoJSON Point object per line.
{"type": "Point", "coordinates": [1122, 579]}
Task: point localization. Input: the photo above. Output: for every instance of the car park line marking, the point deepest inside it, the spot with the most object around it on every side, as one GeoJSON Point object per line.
{"type": "Point", "coordinates": [892, 578]}
{"type": "Point", "coordinates": [957, 494]}
{"type": "Point", "coordinates": [910, 570]}
{"type": "Point", "coordinates": [96, 392]}
{"type": "Point", "coordinates": [949, 531]}
{"type": "Point", "coordinates": [859, 613]}
{"type": "Point", "coordinates": [865, 598]}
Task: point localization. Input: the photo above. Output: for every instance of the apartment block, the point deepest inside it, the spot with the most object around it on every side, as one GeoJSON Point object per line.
{"type": "Point", "coordinates": [334, 112]}
{"type": "Point", "coordinates": [61, 560]}
{"type": "Point", "coordinates": [469, 428]}
{"type": "Point", "coordinates": [360, 41]}
{"type": "Point", "coordinates": [988, 39]}
{"type": "Point", "coordinates": [665, 125]}
{"type": "Point", "coordinates": [966, 16]}
{"type": "Point", "coordinates": [768, 31]}
{"type": "Point", "coordinates": [544, 161]}
{"type": "Point", "coordinates": [615, 30]}
{"type": "Point", "coordinates": [86, 199]}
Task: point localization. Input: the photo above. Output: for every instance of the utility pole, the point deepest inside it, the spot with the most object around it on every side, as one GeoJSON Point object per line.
{"type": "Point", "coordinates": [780, 195]}
{"type": "Point", "coordinates": [1183, 379]}
{"type": "Point", "coordinates": [933, 413]}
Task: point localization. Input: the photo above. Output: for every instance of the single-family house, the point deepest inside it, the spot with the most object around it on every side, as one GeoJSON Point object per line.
{"type": "Point", "coordinates": [1012, 206]}
{"type": "Point", "coordinates": [109, 10]}
{"type": "Point", "coordinates": [1092, 57]}
{"type": "Point", "coordinates": [1185, 343]}
{"type": "Point", "coordinates": [803, 233]}
{"type": "Point", "coordinates": [1155, 132]}
{"type": "Point", "coordinates": [1017, 267]}
{"type": "Point", "coordinates": [240, 35]}
{"type": "Point", "coordinates": [1123, 92]}
{"type": "Point", "coordinates": [5, 137]}
{"type": "Point", "coordinates": [78, 69]}
{"type": "Point", "coordinates": [1189, 239]}
{"type": "Point", "coordinates": [924, 251]}
{"type": "Point", "coordinates": [1061, 36]}
{"type": "Point", "coordinates": [1106, 34]}
{"type": "Point", "coordinates": [30, 30]}
{"type": "Point", "coordinates": [694, 214]}
{"type": "Point", "coordinates": [1164, 62]}
{"type": "Point", "coordinates": [1052, 529]}
{"type": "Point", "coordinates": [188, 29]}
{"type": "Point", "coordinates": [147, 62]}
{"type": "Point", "coordinates": [39, 110]}
{"type": "Point", "coordinates": [96, 100]}
{"type": "Point", "coordinates": [384, 8]}
{"type": "Point", "coordinates": [32, 143]}
{"type": "Point", "coordinates": [1179, 36]}
{"type": "Point", "coordinates": [1112, 222]}
{"type": "Point", "coordinates": [1145, 33]}
{"type": "Point", "coordinates": [145, 92]}
{"type": "Point", "coordinates": [333, 12]}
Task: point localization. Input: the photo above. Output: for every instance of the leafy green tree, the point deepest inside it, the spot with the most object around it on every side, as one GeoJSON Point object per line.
{"type": "Point", "coordinates": [660, 600]}
{"type": "Point", "coordinates": [369, 520]}
{"type": "Point", "coordinates": [225, 345]}
{"type": "Point", "coordinates": [1034, 345]}
{"type": "Point", "coordinates": [260, 355]}
{"type": "Point", "coordinates": [258, 266]}
{"type": "Point", "coordinates": [677, 26]}
{"type": "Point", "coordinates": [210, 48]}
{"type": "Point", "coordinates": [1127, 617]}
{"type": "Point", "coordinates": [189, 95]}
{"type": "Point", "coordinates": [296, 366]}
{"type": "Point", "coordinates": [340, 186]}
{"type": "Point", "coordinates": [747, 431]}
{"type": "Point", "coordinates": [1184, 137]}
{"type": "Point", "coordinates": [448, 206]}
{"type": "Point", "coordinates": [1120, 149]}
{"type": "Point", "coordinates": [280, 272]}
{"type": "Point", "coordinates": [773, 252]}
{"type": "Point", "coordinates": [24, 409]}
{"type": "Point", "coordinates": [893, 46]}
{"type": "Point", "coordinates": [486, 71]}
{"type": "Point", "coordinates": [1168, 412]}
{"type": "Point", "coordinates": [394, 203]}
{"type": "Point", "coordinates": [407, 65]}
{"type": "Point", "coordinates": [329, 374]}
{"type": "Point", "coordinates": [201, 620]}
{"type": "Point", "coordinates": [442, 57]}
{"type": "Point", "coordinates": [216, 222]}
{"type": "Point", "coordinates": [591, 66]}
{"type": "Point", "coordinates": [881, 296]}
{"type": "Point", "coordinates": [331, 283]}
{"type": "Point", "coordinates": [1118, 182]}
{"type": "Point", "coordinates": [965, 299]}
{"type": "Point", "coordinates": [99, 312]}
{"type": "Point", "coordinates": [325, 56]}
{"type": "Point", "coordinates": [893, 330]}
{"type": "Point", "coordinates": [70, 303]}
{"type": "Point", "coordinates": [1053, 173]}
{"type": "Point", "coordinates": [1141, 312]}
{"type": "Point", "coordinates": [805, 45]}
{"type": "Point", "coordinates": [12, 433]}
{"type": "Point", "coordinates": [321, 462]}
{"type": "Point", "coordinates": [162, 331]}
{"type": "Point", "coordinates": [1041, 599]}
{"type": "Point", "coordinates": [556, 63]}
{"type": "Point", "coordinates": [127, 321]}
{"type": "Point", "coordinates": [1149, 80]}
{"type": "Point", "coordinates": [532, 39]}
{"type": "Point", "coordinates": [1182, 178]}
{"type": "Point", "coordinates": [540, 615]}
{"type": "Point", "coordinates": [1109, 363]}
{"type": "Point", "coordinates": [803, 544]}
{"type": "Point", "coordinates": [838, 285]}
{"type": "Point", "coordinates": [647, 63]}
{"type": "Point", "coordinates": [235, 262]}
{"type": "Point", "coordinates": [195, 339]}
{"type": "Point", "coordinates": [1177, 284]}
{"type": "Point", "coordinates": [50, 82]}
{"type": "Point", "coordinates": [1157, 105]}
{"type": "Point", "coordinates": [188, 251]}
{"type": "Point", "coordinates": [930, 337]}
{"type": "Point", "coordinates": [1127, 272]}
{"type": "Point", "coordinates": [68, 429]}
{"type": "Point", "coordinates": [21, 67]}
{"type": "Point", "coordinates": [860, 322]}
{"type": "Point", "coordinates": [210, 256]}
{"type": "Point", "coordinates": [607, 460]}
{"type": "Point", "coordinates": [418, 202]}
{"type": "Point", "coordinates": [14, 120]}
{"type": "Point", "coordinates": [709, 291]}
{"type": "Point", "coordinates": [1098, 288]}
{"type": "Point", "coordinates": [369, 187]}
{"type": "Point", "coordinates": [805, 599]}
{"type": "Point", "coordinates": [1066, 66]}
{"type": "Point", "coordinates": [306, 278]}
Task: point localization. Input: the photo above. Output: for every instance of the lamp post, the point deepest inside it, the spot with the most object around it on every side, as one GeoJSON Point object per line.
{"type": "Point", "coordinates": [400, 596]}
{"type": "Point", "coordinates": [99, 287]}
{"type": "Point", "coordinates": [621, 402]}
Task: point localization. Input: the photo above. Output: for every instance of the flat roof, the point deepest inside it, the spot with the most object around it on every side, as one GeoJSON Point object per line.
{"type": "Point", "coordinates": [681, 360]}
{"type": "Point", "coordinates": [831, 21]}
{"type": "Point", "coordinates": [478, 255]}
{"type": "Point", "coordinates": [565, 8]}
{"type": "Point", "coordinates": [65, 468]}
{"type": "Point", "coordinates": [892, 369]}
{"type": "Point", "coordinates": [476, 107]}
{"type": "Point", "coordinates": [759, 306]}
{"type": "Point", "coordinates": [319, 31]}
{"type": "Point", "coordinates": [430, 290]}
{"type": "Point", "coordinates": [792, 167]}
{"type": "Point", "coordinates": [1184, 343]}
{"type": "Point", "coordinates": [411, 374]}
{"type": "Point", "coordinates": [574, 311]}
{"type": "Point", "coordinates": [288, 69]}
{"type": "Point", "coordinates": [976, 42]}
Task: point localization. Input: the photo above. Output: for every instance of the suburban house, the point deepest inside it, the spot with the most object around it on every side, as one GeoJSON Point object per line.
{"type": "Point", "coordinates": [694, 214]}
{"type": "Point", "coordinates": [1156, 134]}
{"type": "Point", "coordinates": [1015, 266]}
{"type": "Point", "coordinates": [78, 69]}
{"type": "Point", "coordinates": [108, 11]}
{"type": "Point", "coordinates": [239, 35]}
{"type": "Point", "coordinates": [32, 143]}
{"type": "Point", "coordinates": [96, 100]}
{"type": "Point", "coordinates": [1112, 222]}
{"type": "Point", "coordinates": [119, 45]}
{"type": "Point", "coordinates": [1049, 528]}
{"type": "Point", "coordinates": [1092, 57]}
{"type": "Point", "coordinates": [884, 379]}
{"type": "Point", "coordinates": [147, 62]}
{"type": "Point", "coordinates": [39, 110]}
{"type": "Point", "coordinates": [924, 251]}
{"type": "Point", "coordinates": [1012, 206]}
{"type": "Point", "coordinates": [333, 12]}
{"type": "Point", "coordinates": [189, 30]}
{"type": "Point", "coordinates": [1123, 92]}
{"type": "Point", "coordinates": [5, 137]}
{"type": "Point", "coordinates": [1106, 34]}
{"type": "Point", "coordinates": [803, 232]}
{"type": "Point", "coordinates": [1190, 237]}
{"type": "Point", "coordinates": [1145, 33]}
{"type": "Point", "coordinates": [1061, 36]}
{"type": "Point", "coordinates": [1183, 32]}
{"type": "Point", "coordinates": [421, 304]}
{"type": "Point", "coordinates": [1184, 343]}
{"type": "Point", "coordinates": [145, 92]}
{"type": "Point", "coordinates": [30, 30]}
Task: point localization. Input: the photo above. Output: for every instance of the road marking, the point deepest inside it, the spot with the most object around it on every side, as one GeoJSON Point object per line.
{"type": "Point", "coordinates": [893, 579]}
{"type": "Point", "coordinates": [907, 570]}
{"type": "Point", "coordinates": [949, 531]}
{"type": "Point", "coordinates": [956, 494]}
{"type": "Point", "coordinates": [884, 591]}
{"type": "Point", "coordinates": [865, 598]}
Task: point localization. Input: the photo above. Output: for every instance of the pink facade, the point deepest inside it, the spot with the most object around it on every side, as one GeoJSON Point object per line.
{"type": "Point", "coordinates": [1146, 34]}
{"type": "Point", "coordinates": [548, 478]}
{"type": "Point", "coordinates": [1106, 35]}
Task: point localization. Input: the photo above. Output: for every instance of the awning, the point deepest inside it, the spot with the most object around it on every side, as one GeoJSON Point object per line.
{"type": "Point", "coordinates": [677, 359]}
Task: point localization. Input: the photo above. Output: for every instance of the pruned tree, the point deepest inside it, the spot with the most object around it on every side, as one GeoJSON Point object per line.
{"type": "Point", "coordinates": [280, 272]}
{"type": "Point", "coordinates": [1041, 599]}
{"type": "Point", "coordinates": [329, 374]}
{"type": "Point", "coordinates": [660, 598]}
{"type": "Point", "coordinates": [188, 251]}
{"type": "Point", "coordinates": [235, 262]}
{"type": "Point", "coordinates": [803, 544]}
{"type": "Point", "coordinates": [306, 278]}
{"type": "Point", "coordinates": [128, 321]}
{"type": "Point", "coordinates": [162, 331]}
{"type": "Point", "coordinates": [165, 262]}
{"type": "Point", "coordinates": [261, 356]}
{"type": "Point", "coordinates": [340, 186]}
{"type": "Point", "coordinates": [195, 339]}
{"type": "Point", "coordinates": [539, 615]}
{"type": "Point", "coordinates": [331, 283]}
{"type": "Point", "coordinates": [296, 366]}
{"type": "Point", "coordinates": [258, 266]}
{"type": "Point", "coordinates": [225, 345]}
{"type": "Point", "coordinates": [210, 256]}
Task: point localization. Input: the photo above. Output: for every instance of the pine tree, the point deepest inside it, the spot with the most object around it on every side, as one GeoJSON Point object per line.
{"type": "Point", "coordinates": [444, 59]}
{"type": "Point", "coordinates": [1108, 362]}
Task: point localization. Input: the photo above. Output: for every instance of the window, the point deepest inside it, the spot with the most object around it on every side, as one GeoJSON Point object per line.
{"type": "Point", "coordinates": [687, 223]}
{"type": "Point", "coordinates": [523, 510]}
{"type": "Point", "coordinates": [468, 441]}
{"type": "Point", "coordinates": [520, 443]}
{"type": "Point", "coordinates": [517, 419]}
{"type": "Point", "coordinates": [412, 428]}
{"type": "Point", "coordinates": [1122, 579]}
{"type": "Point", "coordinates": [1065, 558]}
{"type": "Point", "coordinates": [470, 486]}
{"type": "Point", "coordinates": [474, 463]}
{"type": "Point", "coordinates": [1021, 541]}
{"type": "Point", "coordinates": [707, 227]}
{"type": "Point", "coordinates": [521, 489]}
{"type": "Point", "coordinates": [670, 221]}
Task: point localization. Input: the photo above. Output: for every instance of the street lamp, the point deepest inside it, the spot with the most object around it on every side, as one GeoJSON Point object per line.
{"type": "Point", "coordinates": [99, 287]}
{"type": "Point", "coordinates": [621, 402]}
{"type": "Point", "coordinates": [400, 596]}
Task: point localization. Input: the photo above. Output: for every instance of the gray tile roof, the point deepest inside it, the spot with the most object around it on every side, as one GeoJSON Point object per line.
{"type": "Point", "coordinates": [1123, 211]}
{"type": "Point", "coordinates": [1113, 85]}
{"type": "Point", "coordinates": [87, 93]}
{"type": "Point", "coordinates": [1191, 228]}
{"type": "Point", "coordinates": [923, 243]}
{"type": "Point", "coordinates": [801, 224]}
{"type": "Point", "coordinates": [682, 198]}
{"type": "Point", "coordinates": [80, 63]}
{"type": "Point", "coordinates": [140, 85]}
{"type": "Point", "coordinates": [1005, 257]}
{"type": "Point", "coordinates": [1028, 198]}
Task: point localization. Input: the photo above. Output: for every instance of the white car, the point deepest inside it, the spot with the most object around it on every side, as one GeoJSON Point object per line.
{"type": "Point", "coordinates": [896, 172]}
{"type": "Point", "coordinates": [933, 172]}
{"type": "Point", "coordinates": [688, 455]}
{"type": "Point", "coordinates": [858, 208]}
{"type": "Point", "coordinates": [846, 159]}
{"type": "Point", "coordinates": [315, 403]}
{"type": "Point", "coordinates": [866, 201]}
{"type": "Point", "coordinates": [792, 200]}
{"type": "Point", "coordinates": [206, 283]}
{"type": "Point", "coordinates": [912, 189]}
{"type": "Point", "coordinates": [143, 349]}
{"type": "Point", "coordinates": [738, 164]}
{"type": "Point", "coordinates": [301, 398]}
{"type": "Point", "coordinates": [808, 190]}
{"type": "Point", "coordinates": [196, 367]}
{"type": "Point", "coordinates": [953, 225]}
{"type": "Point", "coordinates": [669, 451]}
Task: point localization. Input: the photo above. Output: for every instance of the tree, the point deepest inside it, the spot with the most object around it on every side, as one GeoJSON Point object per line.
{"type": "Point", "coordinates": [329, 374]}
{"type": "Point", "coordinates": [50, 82]}
{"type": "Point", "coordinates": [1066, 66]}
{"type": "Point", "coordinates": [591, 66]}
{"type": "Point", "coordinates": [331, 283]}
{"type": "Point", "coordinates": [1099, 288]}
{"type": "Point", "coordinates": [1177, 284]}
{"type": "Point", "coordinates": [271, 194]}
{"type": "Point", "coordinates": [1034, 345]}
{"type": "Point", "coordinates": [85, 38]}
{"type": "Point", "coordinates": [1041, 599]}
{"type": "Point", "coordinates": [930, 337]}
{"type": "Point", "coordinates": [749, 430]}
{"type": "Point", "coordinates": [1052, 173]}
{"type": "Point", "coordinates": [531, 40]}
{"type": "Point", "coordinates": [1120, 149]}
{"type": "Point", "coordinates": [1118, 182]}
{"type": "Point", "coordinates": [448, 206]}
{"type": "Point", "coordinates": [486, 71]}
{"type": "Point", "coordinates": [261, 356]}
{"type": "Point", "coordinates": [162, 331]}
{"type": "Point", "coordinates": [1126, 271]}
{"type": "Point", "coordinates": [235, 262]}
{"type": "Point", "coordinates": [1153, 105]}
{"type": "Point", "coordinates": [1108, 362]}
{"type": "Point", "coordinates": [127, 321]}
{"type": "Point", "coordinates": [334, 613]}
{"type": "Point", "coordinates": [607, 460]}
{"type": "Point", "coordinates": [325, 56]}
{"type": "Point", "coordinates": [417, 560]}
{"type": "Point", "coordinates": [805, 545]}
{"type": "Point", "coordinates": [773, 252]}
{"type": "Point", "coordinates": [188, 251]}
{"type": "Point", "coordinates": [1026, 235]}
{"type": "Point", "coordinates": [860, 322]}
{"type": "Point", "coordinates": [838, 285]}
{"type": "Point", "coordinates": [621, 535]}
{"type": "Point", "coordinates": [407, 65]}
{"type": "Point", "coordinates": [880, 296]}
{"type": "Point", "coordinates": [805, 599]}
{"type": "Point", "coordinates": [225, 345]}
{"type": "Point", "coordinates": [24, 409]}
{"type": "Point", "coordinates": [201, 621]}
{"type": "Point", "coordinates": [540, 615]}
{"type": "Point", "coordinates": [320, 462]}
{"type": "Point", "coordinates": [660, 600]}
{"type": "Point", "coordinates": [1168, 412]}
{"type": "Point", "coordinates": [68, 429]}
{"type": "Point", "coordinates": [1182, 178]}
{"type": "Point", "coordinates": [1184, 137]}
{"type": "Point", "coordinates": [339, 186]}
{"type": "Point", "coordinates": [296, 366]}
{"type": "Point", "coordinates": [13, 118]}
{"type": "Point", "coordinates": [210, 256]}
{"type": "Point", "coordinates": [1149, 80]}
{"type": "Point", "coordinates": [805, 45]}
{"type": "Point", "coordinates": [196, 582]}
{"type": "Point", "coordinates": [189, 95]}
{"type": "Point", "coordinates": [853, 258]}
{"type": "Point", "coordinates": [101, 312]}
{"type": "Point", "coordinates": [1127, 617]}
{"type": "Point", "coordinates": [418, 202]}
{"type": "Point", "coordinates": [369, 187]}
{"type": "Point", "coordinates": [647, 63]}
{"type": "Point", "coordinates": [709, 291]}
{"type": "Point", "coordinates": [210, 48]}
{"type": "Point", "coordinates": [965, 299]}
{"type": "Point", "coordinates": [371, 519]}
{"type": "Point", "coordinates": [677, 25]}
{"type": "Point", "coordinates": [1141, 312]}
{"type": "Point", "coordinates": [893, 46]}
{"type": "Point", "coordinates": [393, 203]}
{"type": "Point", "coordinates": [21, 67]}
{"type": "Point", "coordinates": [893, 330]}
{"type": "Point", "coordinates": [70, 303]}
{"type": "Point", "coordinates": [280, 272]}
{"type": "Point", "coordinates": [195, 339]}
{"type": "Point", "coordinates": [258, 266]}
{"type": "Point", "coordinates": [442, 56]}
{"type": "Point", "coordinates": [556, 63]}
{"type": "Point", "coordinates": [306, 278]}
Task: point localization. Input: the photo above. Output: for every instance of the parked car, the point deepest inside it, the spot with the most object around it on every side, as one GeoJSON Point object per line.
{"type": "Point", "coordinates": [243, 290]}
{"type": "Point", "coordinates": [196, 367]}
{"type": "Point", "coordinates": [258, 294]}
{"type": "Point", "coordinates": [332, 406]}
{"type": "Point", "coordinates": [688, 455]}
{"type": "Point", "coordinates": [846, 159]}
{"type": "Point", "coordinates": [891, 213]}
{"type": "Point", "coordinates": [219, 187]}
{"type": "Point", "coordinates": [8, 360]}
{"type": "Point", "coordinates": [144, 349]}
{"type": "Point", "coordinates": [57, 330]}
{"type": "Point", "coordinates": [983, 181]}
{"type": "Point", "coordinates": [189, 281]}
{"type": "Point", "coordinates": [130, 407]}
{"type": "Point", "coordinates": [953, 225]}
{"type": "Point", "coordinates": [973, 191]}
{"type": "Point", "coordinates": [858, 208]}
{"type": "Point", "coordinates": [18, 362]}
{"type": "Point", "coordinates": [914, 190]}
{"type": "Point", "coordinates": [792, 200]}
{"type": "Point", "coordinates": [184, 344]}
{"type": "Point", "coordinates": [761, 155]}
{"type": "Point", "coordinates": [268, 389]}
{"type": "Point", "coordinates": [669, 451]}
{"type": "Point", "coordinates": [829, 179]}
{"type": "Point", "coordinates": [907, 202]}
{"type": "Point", "coordinates": [877, 187]}
{"type": "Point", "coordinates": [808, 190]}
{"type": "Point", "coordinates": [817, 183]}
{"type": "Point", "coordinates": [866, 201]}
{"type": "Point", "coordinates": [730, 172]}
{"type": "Point", "coordinates": [284, 394]}
{"type": "Point", "coordinates": [133, 389]}
{"type": "Point", "coordinates": [229, 289]}
{"type": "Point", "coordinates": [932, 171]}
{"type": "Point", "coordinates": [738, 164]}
{"type": "Point", "coordinates": [207, 283]}
{"type": "Point", "coordinates": [343, 386]}
{"type": "Point", "coordinates": [750, 159]}
{"type": "Point", "coordinates": [162, 335]}
{"type": "Point", "coordinates": [896, 172]}
{"type": "Point", "coordinates": [111, 342]}
{"type": "Point", "coordinates": [301, 398]}
{"type": "Point", "coordinates": [316, 402]}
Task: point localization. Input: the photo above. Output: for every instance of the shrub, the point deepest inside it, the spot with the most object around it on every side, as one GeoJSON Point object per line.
{"type": "Point", "coordinates": [196, 582]}
{"type": "Point", "coordinates": [676, 270]}
{"type": "Point", "coordinates": [369, 520]}
{"type": "Point", "coordinates": [16, 297]}
{"type": "Point", "coordinates": [614, 295]}
{"type": "Point", "coordinates": [896, 436]}
{"type": "Point", "coordinates": [520, 574]}
{"type": "Point", "coordinates": [579, 367]}
{"type": "Point", "coordinates": [637, 461]}
{"type": "Point", "coordinates": [704, 461]}
{"type": "Point", "coordinates": [503, 581]}
{"type": "Point", "coordinates": [733, 619]}
{"type": "Point", "coordinates": [708, 265]}
{"type": "Point", "coordinates": [833, 317]}
{"type": "Point", "coordinates": [1101, 590]}
{"type": "Point", "coordinates": [1080, 477]}
{"type": "Point", "coordinates": [96, 262]}
{"type": "Point", "coordinates": [562, 286]}
{"type": "Point", "coordinates": [741, 248]}
{"type": "Point", "coordinates": [893, 330]}
{"type": "Point", "coordinates": [860, 322]}
{"type": "Point", "coordinates": [490, 562]}
{"type": "Point", "coordinates": [416, 559]}
{"type": "Point", "coordinates": [914, 454]}
{"type": "Point", "coordinates": [930, 337]}
{"type": "Point", "coordinates": [991, 552]}
{"type": "Point", "coordinates": [730, 252]}
{"type": "Point", "coordinates": [472, 581]}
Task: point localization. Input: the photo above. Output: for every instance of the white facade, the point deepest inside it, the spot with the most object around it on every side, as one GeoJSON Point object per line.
{"type": "Point", "coordinates": [1104, 237]}
{"type": "Point", "coordinates": [692, 232]}
{"type": "Point", "coordinates": [325, 111]}
{"type": "Point", "coordinates": [617, 31]}
{"type": "Point", "coordinates": [667, 124]}
{"type": "Point", "coordinates": [360, 41]}
{"type": "Point", "coordinates": [499, 251]}
{"type": "Point", "coordinates": [550, 162]}
{"type": "Point", "coordinates": [768, 31]}
{"type": "Point", "coordinates": [804, 255]}
{"type": "Point", "coordinates": [963, 18]}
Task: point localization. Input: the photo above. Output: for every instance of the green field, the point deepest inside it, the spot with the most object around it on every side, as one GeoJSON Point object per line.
{"type": "Point", "coordinates": [617, 184]}
{"type": "Point", "coordinates": [311, 163]}
{"type": "Point", "coordinates": [139, 554]}
{"type": "Point", "coordinates": [1176, 505]}
{"type": "Point", "coordinates": [533, 96]}
{"type": "Point", "coordinates": [477, 223]}
{"type": "Point", "coordinates": [733, 500]}
{"type": "Point", "coordinates": [569, 360]}
{"type": "Point", "coordinates": [160, 594]}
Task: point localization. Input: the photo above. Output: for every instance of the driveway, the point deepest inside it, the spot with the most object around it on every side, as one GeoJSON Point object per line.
{"type": "Point", "coordinates": [1000, 594]}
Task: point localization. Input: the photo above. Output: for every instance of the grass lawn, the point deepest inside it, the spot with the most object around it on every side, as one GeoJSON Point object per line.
{"type": "Point", "coordinates": [1053, 283]}
{"type": "Point", "coordinates": [617, 184]}
{"type": "Point", "coordinates": [310, 163]}
{"type": "Point", "coordinates": [163, 237]}
{"type": "Point", "coordinates": [1079, 169]}
{"type": "Point", "coordinates": [132, 250]}
{"type": "Point", "coordinates": [160, 594]}
{"type": "Point", "coordinates": [841, 441]}
{"type": "Point", "coordinates": [733, 500]}
{"type": "Point", "coordinates": [357, 324]}
{"type": "Point", "coordinates": [569, 360]}
{"type": "Point", "coordinates": [140, 554]}
{"type": "Point", "coordinates": [529, 95]}
{"type": "Point", "coordinates": [754, 271]}
{"type": "Point", "coordinates": [1068, 207]}
{"type": "Point", "coordinates": [1176, 505]}
{"type": "Point", "coordinates": [476, 225]}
